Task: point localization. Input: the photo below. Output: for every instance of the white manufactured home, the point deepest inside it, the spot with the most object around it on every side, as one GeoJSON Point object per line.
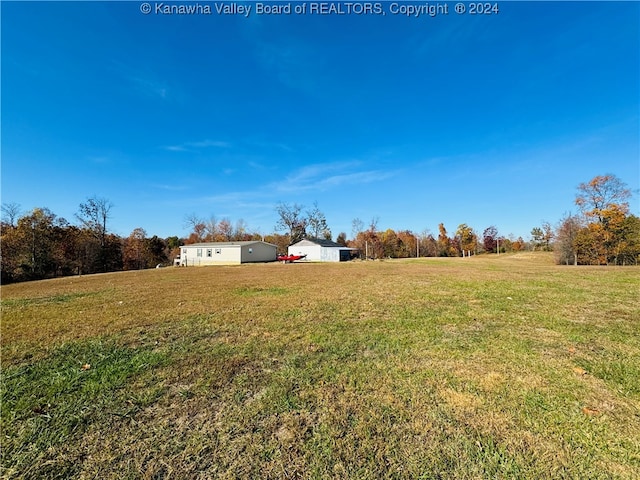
{"type": "Point", "coordinates": [318, 250]}
{"type": "Point", "coordinates": [226, 253]}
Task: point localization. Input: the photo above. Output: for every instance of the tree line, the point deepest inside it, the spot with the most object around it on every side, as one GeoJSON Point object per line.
{"type": "Point", "coordinates": [38, 244]}
{"type": "Point", "coordinates": [603, 232]}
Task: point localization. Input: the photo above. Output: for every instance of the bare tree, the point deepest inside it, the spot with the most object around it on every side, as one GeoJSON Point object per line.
{"type": "Point", "coordinates": [197, 227]}
{"type": "Point", "coordinates": [372, 242]}
{"type": "Point", "coordinates": [191, 220]}
{"type": "Point", "coordinates": [241, 229]}
{"type": "Point", "coordinates": [317, 223]}
{"type": "Point", "coordinates": [429, 245]}
{"type": "Point", "coordinates": [357, 226]}
{"type": "Point", "coordinates": [373, 225]}
{"type": "Point", "coordinates": [291, 219]}
{"type": "Point", "coordinates": [10, 213]}
{"type": "Point", "coordinates": [564, 248]}
{"type": "Point", "coordinates": [211, 228]}
{"type": "Point", "coordinates": [93, 216]}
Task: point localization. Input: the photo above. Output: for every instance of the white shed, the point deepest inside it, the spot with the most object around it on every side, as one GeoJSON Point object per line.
{"type": "Point", "coordinates": [318, 250]}
{"type": "Point", "coordinates": [227, 253]}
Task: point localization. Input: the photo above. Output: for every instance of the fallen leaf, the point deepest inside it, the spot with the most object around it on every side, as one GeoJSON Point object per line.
{"type": "Point", "coordinates": [590, 411]}
{"type": "Point", "coordinates": [572, 349]}
{"type": "Point", "coordinates": [86, 366]}
{"type": "Point", "coordinates": [580, 371]}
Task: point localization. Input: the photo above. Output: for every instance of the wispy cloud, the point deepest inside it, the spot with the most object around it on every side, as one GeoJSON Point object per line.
{"type": "Point", "coordinates": [294, 63]}
{"type": "Point", "coordinates": [321, 177]}
{"type": "Point", "coordinates": [287, 62]}
{"type": "Point", "coordinates": [170, 188]}
{"type": "Point", "coordinates": [153, 88]}
{"type": "Point", "coordinates": [176, 148]}
{"type": "Point", "coordinates": [194, 146]}
{"type": "Point", "coordinates": [233, 197]}
{"type": "Point", "coordinates": [236, 201]}
{"type": "Point", "coordinates": [209, 143]}
{"type": "Point", "coordinates": [147, 82]}
{"type": "Point", "coordinates": [271, 145]}
{"type": "Point", "coordinates": [308, 179]}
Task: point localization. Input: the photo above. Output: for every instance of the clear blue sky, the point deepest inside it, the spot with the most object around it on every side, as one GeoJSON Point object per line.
{"type": "Point", "coordinates": [415, 120]}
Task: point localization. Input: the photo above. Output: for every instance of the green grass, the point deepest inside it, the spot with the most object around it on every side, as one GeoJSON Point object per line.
{"type": "Point", "coordinates": [490, 367]}
{"type": "Point", "coordinates": [51, 402]}
{"type": "Point", "coordinates": [61, 298]}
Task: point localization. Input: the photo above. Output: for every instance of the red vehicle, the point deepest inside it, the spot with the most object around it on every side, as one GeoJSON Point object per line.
{"type": "Point", "coordinates": [289, 258]}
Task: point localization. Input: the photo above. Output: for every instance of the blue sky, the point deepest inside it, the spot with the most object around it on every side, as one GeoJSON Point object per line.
{"type": "Point", "coordinates": [484, 120]}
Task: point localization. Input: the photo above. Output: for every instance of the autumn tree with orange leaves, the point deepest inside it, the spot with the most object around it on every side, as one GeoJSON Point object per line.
{"type": "Point", "coordinates": [609, 234]}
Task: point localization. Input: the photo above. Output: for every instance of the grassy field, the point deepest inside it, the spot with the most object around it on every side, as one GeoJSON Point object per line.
{"type": "Point", "coordinates": [488, 367]}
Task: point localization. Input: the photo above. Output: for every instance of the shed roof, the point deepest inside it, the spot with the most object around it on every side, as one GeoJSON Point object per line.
{"type": "Point", "coordinates": [319, 241]}
{"type": "Point", "coordinates": [227, 244]}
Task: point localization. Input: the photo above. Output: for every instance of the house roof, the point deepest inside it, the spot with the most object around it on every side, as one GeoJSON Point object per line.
{"type": "Point", "coordinates": [319, 241]}
{"type": "Point", "coordinates": [227, 244]}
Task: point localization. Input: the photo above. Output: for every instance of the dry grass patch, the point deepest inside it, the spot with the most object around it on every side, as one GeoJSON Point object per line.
{"type": "Point", "coordinates": [430, 368]}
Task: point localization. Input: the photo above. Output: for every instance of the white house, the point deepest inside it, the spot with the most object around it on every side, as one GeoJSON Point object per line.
{"type": "Point", "coordinates": [226, 253]}
{"type": "Point", "coordinates": [317, 250]}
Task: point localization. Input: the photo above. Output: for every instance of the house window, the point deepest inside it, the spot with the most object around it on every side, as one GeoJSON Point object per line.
{"type": "Point", "coordinates": [184, 250]}
{"type": "Point", "coordinates": [199, 252]}
{"type": "Point", "coordinates": [208, 252]}
{"type": "Point", "coordinates": [218, 251]}
{"type": "Point", "coordinates": [251, 250]}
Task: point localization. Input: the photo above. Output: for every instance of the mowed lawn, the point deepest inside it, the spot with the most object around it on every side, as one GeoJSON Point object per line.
{"type": "Point", "coordinates": [485, 367]}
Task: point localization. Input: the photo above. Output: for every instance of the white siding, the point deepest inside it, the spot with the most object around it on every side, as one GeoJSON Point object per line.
{"type": "Point", "coordinates": [201, 254]}
{"type": "Point", "coordinates": [197, 255]}
{"type": "Point", "coordinates": [330, 254]}
{"type": "Point", "coordinates": [313, 252]}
